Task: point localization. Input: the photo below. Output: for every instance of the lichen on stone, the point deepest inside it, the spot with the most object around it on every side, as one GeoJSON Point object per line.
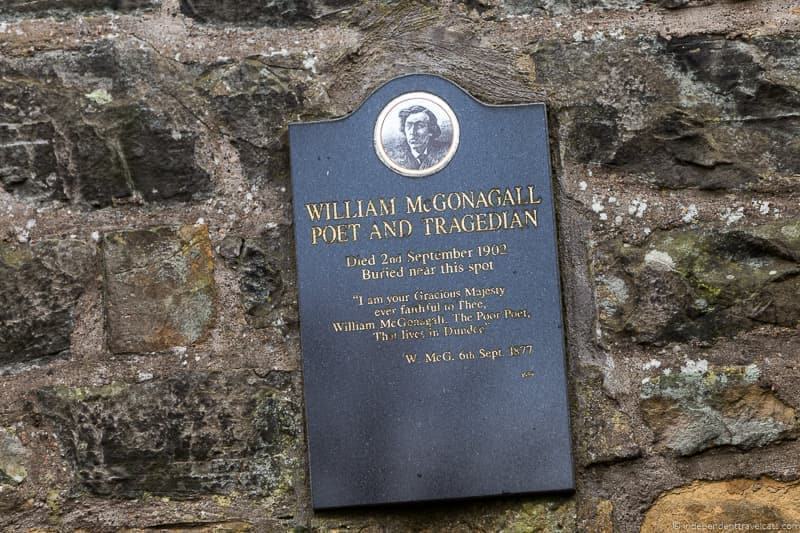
{"type": "Point", "coordinates": [13, 458]}
{"type": "Point", "coordinates": [701, 407]}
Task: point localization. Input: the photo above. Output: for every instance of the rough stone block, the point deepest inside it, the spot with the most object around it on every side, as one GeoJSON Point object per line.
{"type": "Point", "coordinates": [734, 504]}
{"type": "Point", "coordinates": [700, 111]}
{"type": "Point", "coordinates": [13, 458]}
{"type": "Point", "coordinates": [685, 284]}
{"type": "Point", "coordinates": [272, 12]}
{"type": "Point", "coordinates": [159, 287]}
{"type": "Point", "coordinates": [44, 7]}
{"type": "Point", "coordinates": [129, 152]}
{"type": "Point", "coordinates": [694, 410]}
{"type": "Point", "coordinates": [39, 289]}
{"type": "Point", "coordinates": [266, 274]}
{"type": "Point", "coordinates": [604, 433]}
{"type": "Point", "coordinates": [191, 434]}
{"type": "Point", "coordinates": [27, 158]}
{"type": "Point", "coordinates": [255, 101]}
{"type": "Point", "coordinates": [159, 158]}
{"type": "Point", "coordinates": [14, 463]}
{"type": "Point", "coordinates": [70, 140]}
{"type": "Point", "coordinates": [493, 8]}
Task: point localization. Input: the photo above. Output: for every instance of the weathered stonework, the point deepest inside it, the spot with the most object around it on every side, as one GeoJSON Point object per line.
{"type": "Point", "coordinates": [700, 111]}
{"type": "Point", "coordinates": [14, 465]}
{"type": "Point", "coordinates": [159, 287]}
{"type": "Point", "coordinates": [694, 410]}
{"type": "Point", "coordinates": [674, 134]}
{"type": "Point", "coordinates": [700, 284]}
{"type": "Point", "coordinates": [28, 158]}
{"type": "Point", "coordinates": [47, 7]}
{"type": "Point", "coordinates": [13, 458]}
{"type": "Point", "coordinates": [255, 99]}
{"type": "Point", "coordinates": [273, 12]}
{"type": "Point", "coordinates": [39, 288]}
{"type": "Point", "coordinates": [604, 432]}
{"type": "Point", "coordinates": [82, 138]}
{"type": "Point", "coordinates": [737, 503]}
{"type": "Point", "coordinates": [266, 277]}
{"type": "Point", "coordinates": [191, 434]}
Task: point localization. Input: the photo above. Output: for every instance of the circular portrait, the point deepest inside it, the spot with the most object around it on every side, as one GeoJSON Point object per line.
{"type": "Point", "coordinates": [416, 134]}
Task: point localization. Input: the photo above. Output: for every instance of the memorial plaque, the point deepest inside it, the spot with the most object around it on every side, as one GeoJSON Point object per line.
{"type": "Point", "coordinates": [430, 307]}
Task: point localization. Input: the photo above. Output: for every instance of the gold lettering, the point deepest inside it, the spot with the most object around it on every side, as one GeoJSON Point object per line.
{"type": "Point", "coordinates": [351, 209]}
{"type": "Point", "coordinates": [335, 234]}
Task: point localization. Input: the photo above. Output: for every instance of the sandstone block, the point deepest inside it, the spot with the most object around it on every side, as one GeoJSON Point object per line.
{"type": "Point", "coordinates": [159, 287]}
{"type": "Point", "coordinates": [735, 504]}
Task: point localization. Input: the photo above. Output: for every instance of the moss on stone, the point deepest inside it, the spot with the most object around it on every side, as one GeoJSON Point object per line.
{"type": "Point", "coordinates": [542, 516]}
{"type": "Point", "coordinates": [81, 394]}
{"type": "Point", "coordinates": [14, 256]}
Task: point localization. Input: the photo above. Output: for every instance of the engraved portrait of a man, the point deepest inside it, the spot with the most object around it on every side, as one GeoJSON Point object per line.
{"type": "Point", "coordinates": [417, 135]}
{"type": "Point", "coordinates": [422, 148]}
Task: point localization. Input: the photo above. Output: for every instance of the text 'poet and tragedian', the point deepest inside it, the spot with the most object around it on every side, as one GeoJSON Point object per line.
{"type": "Point", "coordinates": [494, 209]}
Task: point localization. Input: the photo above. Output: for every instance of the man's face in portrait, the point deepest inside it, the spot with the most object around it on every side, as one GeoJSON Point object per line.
{"type": "Point", "coordinates": [418, 131]}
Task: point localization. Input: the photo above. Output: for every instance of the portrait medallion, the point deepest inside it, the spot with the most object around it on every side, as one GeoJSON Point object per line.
{"type": "Point", "coordinates": [416, 134]}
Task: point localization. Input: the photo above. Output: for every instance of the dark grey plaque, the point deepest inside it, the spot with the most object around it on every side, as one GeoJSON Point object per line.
{"type": "Point", "coordinates": [430, 308]}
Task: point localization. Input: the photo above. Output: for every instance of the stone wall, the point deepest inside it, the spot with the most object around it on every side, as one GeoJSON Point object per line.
{"type": "Point", "coordinates": [149, 353]}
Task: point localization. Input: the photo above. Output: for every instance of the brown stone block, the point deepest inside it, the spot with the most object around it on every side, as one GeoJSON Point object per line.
{"type": "Point", "coordinates": [733, 505]}
{"type": "Point", "coordinates": [159, 287]}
